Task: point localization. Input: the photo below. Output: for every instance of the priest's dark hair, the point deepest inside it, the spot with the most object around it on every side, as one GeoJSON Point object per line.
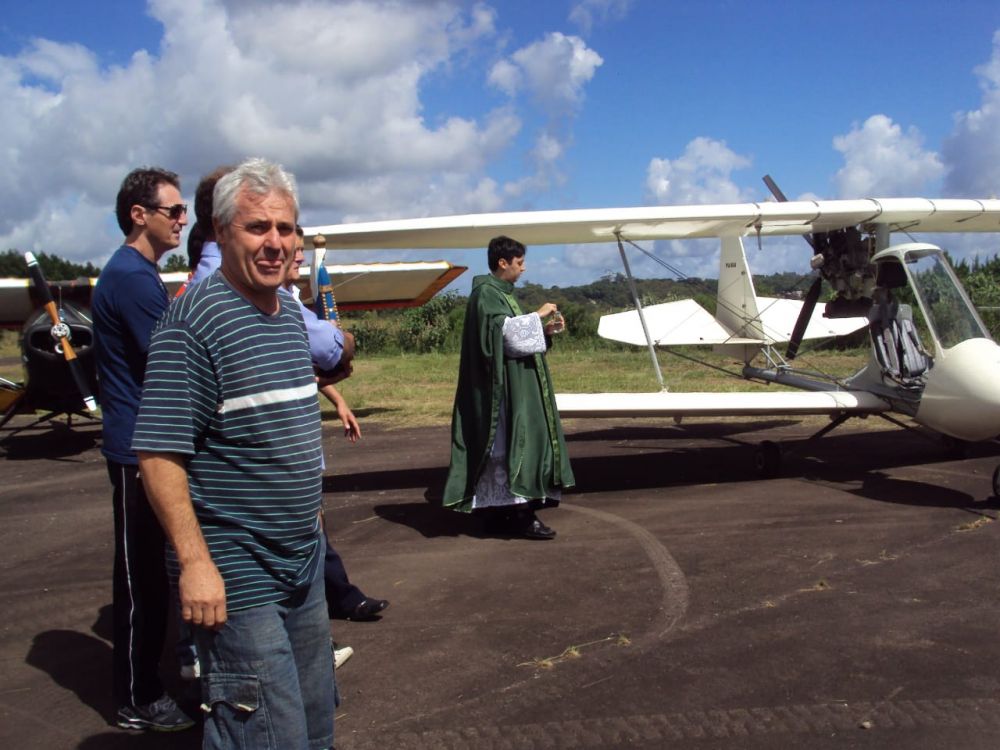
{"type": "Point", "coordinates": [503, 247]}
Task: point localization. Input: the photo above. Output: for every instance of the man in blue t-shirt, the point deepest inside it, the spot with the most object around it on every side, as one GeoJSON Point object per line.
{"type": "Point", "coordinates": [128, 301]}
{"type": "Point", "coordinates": [229, 444]}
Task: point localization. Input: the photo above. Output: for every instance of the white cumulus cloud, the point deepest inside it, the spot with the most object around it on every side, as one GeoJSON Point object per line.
{"type": "Point", "coordinates": [552, 74]}
{"type": "Point", "coordinates": [972, 151]}
{"type": "Point", "coordinates": [702, 174]}
{"type": "Point", "coordinates": [588, 13]}
{"type": "Point", "coordinates": [881, 160]}
{"type": "Point", "coordinates": [332, 90]}
{"type": "Point", "coordinates": [553, 71]}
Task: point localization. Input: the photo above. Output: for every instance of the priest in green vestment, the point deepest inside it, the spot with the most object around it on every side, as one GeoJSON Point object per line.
{"type": "Point", "coordinates": [508, 453]}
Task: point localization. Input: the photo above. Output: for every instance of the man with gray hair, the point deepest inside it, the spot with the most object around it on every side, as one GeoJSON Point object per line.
{"type": "Point", "coordinates": [228, 439]}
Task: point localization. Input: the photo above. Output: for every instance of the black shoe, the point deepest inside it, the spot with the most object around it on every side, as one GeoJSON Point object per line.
{"type": "Point", "coordinates": [367, 609]}
{"type": "Point", "coordinates": [538, 530]}
{"type": "Point", "coordinates": [530, 527]}
{"type": "Point", "coordinates": [162, 715]}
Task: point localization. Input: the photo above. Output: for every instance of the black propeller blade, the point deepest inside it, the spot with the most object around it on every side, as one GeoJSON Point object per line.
{"type": "Point", "coordinates": [805, 314]}
{"type": "Point", "coordinates": [61, 332]}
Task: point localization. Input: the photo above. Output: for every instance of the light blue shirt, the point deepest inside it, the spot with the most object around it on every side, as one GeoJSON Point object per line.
{"type": "Point", "coordinates": [211, 258]}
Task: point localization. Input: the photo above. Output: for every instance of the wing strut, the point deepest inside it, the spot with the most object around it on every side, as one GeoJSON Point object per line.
{"type": "Point", "coordinates": [638, 309]}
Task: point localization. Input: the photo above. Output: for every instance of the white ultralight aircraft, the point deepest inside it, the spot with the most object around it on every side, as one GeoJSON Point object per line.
{"type": "Point", "coordinates": [943, 373]}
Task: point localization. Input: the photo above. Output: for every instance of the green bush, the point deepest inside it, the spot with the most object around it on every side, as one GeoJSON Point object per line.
{"type": "Point", "coordinates": [581, 321]}
{"type": "Point", "coordinates": [372, 334]}
{"type": "Point", "coordinates": [426, 328]}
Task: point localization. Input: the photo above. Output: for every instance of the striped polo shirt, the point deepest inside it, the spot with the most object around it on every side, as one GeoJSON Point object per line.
{"type": "Point", "coordinates": [232, 390]}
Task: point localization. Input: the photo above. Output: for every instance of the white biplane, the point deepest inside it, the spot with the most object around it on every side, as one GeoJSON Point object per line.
{"type": "Point", "coordinates": [944, 373]}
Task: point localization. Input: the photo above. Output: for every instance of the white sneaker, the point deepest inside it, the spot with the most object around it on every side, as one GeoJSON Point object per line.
{"type": "Point", "coordinates": [340, 655]}
{"type": "Point", "coordinates": [191, 671]}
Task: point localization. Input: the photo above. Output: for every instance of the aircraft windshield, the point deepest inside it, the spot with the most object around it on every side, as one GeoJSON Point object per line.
{"type": "Point", "coordinates": [950, 314]}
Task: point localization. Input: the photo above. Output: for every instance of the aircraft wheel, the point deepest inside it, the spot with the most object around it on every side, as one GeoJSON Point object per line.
{"type": "Point", "coordinates": [957, 448]}
{"type": "Point", "coordinates": [996, 482]}
{"type": "Point", "coordinates": [767, 459]}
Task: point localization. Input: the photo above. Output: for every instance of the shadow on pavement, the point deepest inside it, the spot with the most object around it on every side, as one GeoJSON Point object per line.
{"type": "Point", "coordinates": [52, 440]}
{"type": "Point", "coordinates": [125, 740]}
{"type": "Point", "coordinates": [82, 664]}
{"type": "Point", "coordinates": [879, 487]}
{"type": "Point", "coordinates": [431, 520]}
{"type": "Point", "coordinates": [393, 479]}
{"type": "Point", "coordinates": [78, 662]}
{"type": "Point", "coordinates": [668, 430]}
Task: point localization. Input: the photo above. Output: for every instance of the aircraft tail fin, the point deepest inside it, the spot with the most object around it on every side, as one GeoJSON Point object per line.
{"type": "Point", "coordinates": [737, 309]}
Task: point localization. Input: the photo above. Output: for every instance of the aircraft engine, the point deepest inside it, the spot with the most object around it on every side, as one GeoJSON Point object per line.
{"type": "Point", "coordinates": [51, 385]}
{"type": "Point", "coordinates": [846, 265]}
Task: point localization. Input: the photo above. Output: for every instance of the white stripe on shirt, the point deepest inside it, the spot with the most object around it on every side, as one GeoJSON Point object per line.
{"type": "Point", "coordinates": [265, 398]}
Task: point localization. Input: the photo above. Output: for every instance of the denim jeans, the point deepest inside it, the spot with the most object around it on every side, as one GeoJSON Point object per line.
{"type": "Point", "coordinates": [267, 676]}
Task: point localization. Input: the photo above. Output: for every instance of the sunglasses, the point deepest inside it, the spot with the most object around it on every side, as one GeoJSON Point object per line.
{"type": "Point", "coordinates": [175, 211]}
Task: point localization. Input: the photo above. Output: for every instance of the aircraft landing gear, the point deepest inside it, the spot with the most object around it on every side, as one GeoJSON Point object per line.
{"type": "Point", "coordinates": [957, 449]}
{"type": "Point", "coordinates": [769, 455]}
{"type": "Point", "coordinates": [767, 460]}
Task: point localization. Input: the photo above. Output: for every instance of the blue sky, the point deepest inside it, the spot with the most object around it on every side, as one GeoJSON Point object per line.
{"type": "Point", "coordinates": [420, 108]}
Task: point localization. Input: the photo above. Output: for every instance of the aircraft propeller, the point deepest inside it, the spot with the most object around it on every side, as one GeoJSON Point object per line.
{"type": "Point", "coordinates": [842, 256]}
{"type": "Point", "coordinates": [60, 332]}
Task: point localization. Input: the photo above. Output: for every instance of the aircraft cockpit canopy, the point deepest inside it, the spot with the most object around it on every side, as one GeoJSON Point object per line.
{"type": "Point", "coordinates": [947, 309]}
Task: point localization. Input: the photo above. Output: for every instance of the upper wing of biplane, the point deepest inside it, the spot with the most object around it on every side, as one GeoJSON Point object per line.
{"type": "Point", "coordinates": [665, 222]}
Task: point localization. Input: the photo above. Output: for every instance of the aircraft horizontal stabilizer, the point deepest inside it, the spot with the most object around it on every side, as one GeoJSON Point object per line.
{"type": "Point", "coordinates": [680, 323]}
{"type": "Point", "coordinates": [686, 323]}
{"type": "Point", "coordinates": [778, 318]}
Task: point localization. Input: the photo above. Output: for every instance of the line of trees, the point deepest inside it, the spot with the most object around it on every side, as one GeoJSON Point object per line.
{"type": "Point", "coordinates": [437, 325]}
{"type": "Point", "coordinates": [13, 265]}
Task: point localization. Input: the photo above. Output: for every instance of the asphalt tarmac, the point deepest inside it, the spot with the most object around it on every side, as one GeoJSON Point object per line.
{"type": "Point", "coordinates": [850, 603]}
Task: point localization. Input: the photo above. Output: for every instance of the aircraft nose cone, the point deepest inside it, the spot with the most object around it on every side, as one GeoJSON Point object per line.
{"type": "Point", "coordinates": [962, 395]}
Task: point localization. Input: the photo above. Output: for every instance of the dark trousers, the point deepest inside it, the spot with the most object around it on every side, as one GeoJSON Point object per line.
{"type": "Point", "coordinates": [342, 596]}
{"type": "Point", "coordinates": [141, 591]}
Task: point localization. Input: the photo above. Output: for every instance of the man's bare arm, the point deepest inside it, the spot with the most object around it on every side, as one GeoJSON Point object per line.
{"type": "Point", "coordinates": [201, 589]}
{"type": "Point", "coordinates": [352, 430]}
{"type": "Point", "coordinates": [348, 352]}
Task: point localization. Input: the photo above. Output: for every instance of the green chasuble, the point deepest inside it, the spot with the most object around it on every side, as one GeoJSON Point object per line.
{"type": "Point", "coordinates": [537, 462]}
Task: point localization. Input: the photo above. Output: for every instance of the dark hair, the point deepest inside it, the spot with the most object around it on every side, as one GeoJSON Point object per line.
{"type": "Point", "coordinates": [503, 247]}
{"type": "Point", "coordinates": [203, 198]}
{"type": "Point", "coordinates": [196, 241]}
{"type": "Point", "coordinates": [300, 231]}
{"type": "Point", "coordinates": [139, 188]}
{"type": "Point", "coordinates": [203, 231]}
